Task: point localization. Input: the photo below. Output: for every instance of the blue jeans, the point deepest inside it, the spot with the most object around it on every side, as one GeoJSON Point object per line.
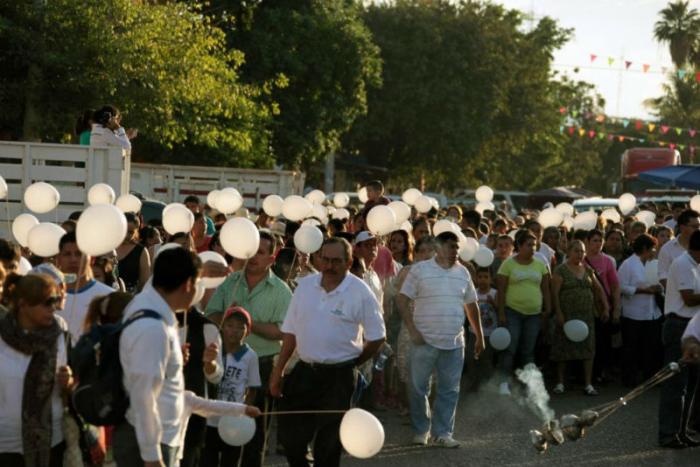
{"type": "Point", "coordinates": [448, 364]}
{"type": "Point", "coordinates": [524, 330]}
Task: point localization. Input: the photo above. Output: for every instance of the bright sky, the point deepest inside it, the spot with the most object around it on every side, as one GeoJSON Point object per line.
{"type": "Point", "coordinates": [609, 28]}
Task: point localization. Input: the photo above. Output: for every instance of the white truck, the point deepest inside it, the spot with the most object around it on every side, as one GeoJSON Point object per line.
{"type": "Point", "coordinates": [73, 169]}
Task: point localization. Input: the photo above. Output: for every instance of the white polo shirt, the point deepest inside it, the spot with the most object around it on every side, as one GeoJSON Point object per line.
{"type": "Point", "coordinates": [639, 307]}
{"type": "Point", "coordinates": [693, 328]}
{"type": "Point", "coordinates": [669, 252]}
{"type": "Point", "coordinates": [78, 303]}
{"type": "Point", "coordinates": [683, 275]}
{"type": "Point", "coordinates": [439, 295]}
{"type": "Point", "coordinates": [150, 354]}
{"type": "Point", "coordinates": [329, 326]}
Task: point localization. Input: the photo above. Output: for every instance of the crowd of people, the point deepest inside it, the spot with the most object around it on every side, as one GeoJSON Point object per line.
{"type": "Point", "coordinates": [394, 322]}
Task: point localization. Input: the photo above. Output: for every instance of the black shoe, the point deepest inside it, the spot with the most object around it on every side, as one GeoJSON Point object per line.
{"type": "Point", "coordinates": [673, 443]}
{"type": "Point", "coordinates": [690, 442]}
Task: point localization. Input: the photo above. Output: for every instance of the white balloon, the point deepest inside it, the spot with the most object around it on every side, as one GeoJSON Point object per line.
{"type": "Point", "coordinates": [576, 330]}
{"type": "Point", "coordinates": [402, 211]}
{"type": "Point", "coordinates": [165, 247]}
{"type": "Point", "coordinates": [272, 205]}
{"type": "Point", "coordinates": [484, 256]}
{"type": "Point", "coordinates": [240, 238]}
{"type": "Point", "coordinates": [648, 217]}
{"type": "Point", "coordinates": [21, 227]}
{"type": "Point", "coordinates": [101, 193]}
{"type": "Point", "coordinates": [423, 204]}
{"type": "Point", "coordinates": [101, 228]}
{"type": "Point", "coordinates": [651, 272]}
{"type": "Point", "coordinates": [484, 194]}
{"type": "Point", "coordinates": [341, 213]}
{"type": "Point", "coordinates": [411, 195]}
{"type": "Point", "coordinates": [627, 202]}
{"type": "Point", "coordinates": [308, 239]}
{"type": "Point", "coordinates": [213, 256]}
{"type": "Point", "coordinates": [500, 338]}
{"type": "Point", "coordinates": [43, 239]}
{"type": "Point", "coordinates": [695, 203]}
{"type": "Point", "coordinates": [381, 220]}
{"type": "Point", "coordinates": [331, 210]}
{"type": "Point", "coordinates": [316, 196]}
{"type": "Point", "coordinates": [407, 226]}
{"type": "Point", "coordinates": [471, 246]}
{"type": "Point", "coordinates": [341, 200]}
{"type": "Point", "coordinates": [361, 434]}
{"type": "Point", "coordinates": [229, 201]}
{"type": "Point", "coordinates": [484, 206]}
{"type": "Point", "coordinates": [550, 217]}
{"type": "Point", "coordinates": [177, 219]}
{"type": "Point", "coordinates": [212, 198]}
{"type": "Point", "coordinates": [568, 222]}
{"type": "Point", "coordinates": [128, 203]}
{"type": "Point", "coordinates": [3, 188]}
{"type": "Point", "coordinates": [611, 214]}
{"type": "Point", "coordinates": [236, 431]}
{"type": "Point", "coordinates": [311, 221]}
{"type": "Point", "coordinates": [24, 266]}
{"type": "Point", "coordinates": [296, 208]}
{"type": "Point", "coordinates": [198, 296]}
{"type": "Point", "coordinates": [443, 225]}
{"type": "Point", "coordinates": [566, 209]}
{"type": "Point", "coordinates": [320, 212]}
{"type": "Point", "coordinates": [40, 197]}
{"type": "Point", "coordinates": [362, 194]}
{"type": "Point", "coordinates": [434, 202]}
{"type": "Point", "coordinates": [586, 221]}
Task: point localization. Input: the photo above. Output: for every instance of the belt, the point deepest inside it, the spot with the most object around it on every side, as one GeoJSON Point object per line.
{"type": "Point", "coordinates": [680, 318]}
{"type": "Point", "coordinates": [328, 366]}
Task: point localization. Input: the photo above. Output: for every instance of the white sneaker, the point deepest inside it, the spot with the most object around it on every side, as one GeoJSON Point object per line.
{"type": "Point", "coordinates": [421, 439]}
{"type": "Point", "coordinates": [504, 389]}
{"type": "Point", "coordinates": [446, 442]}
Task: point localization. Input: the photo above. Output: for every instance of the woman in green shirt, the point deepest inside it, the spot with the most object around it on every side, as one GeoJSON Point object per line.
{"type": "Point", "coordinates": [523, 301]}
{"type": "Point", "coordinates": [83, 127]}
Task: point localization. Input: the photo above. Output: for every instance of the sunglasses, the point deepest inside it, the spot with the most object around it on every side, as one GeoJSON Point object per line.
{"type": "Point", "coordinates": [53, 301]}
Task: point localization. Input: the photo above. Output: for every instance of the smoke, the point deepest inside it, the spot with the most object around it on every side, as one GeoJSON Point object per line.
{"type": "Point", "coordinates": [537, 395]}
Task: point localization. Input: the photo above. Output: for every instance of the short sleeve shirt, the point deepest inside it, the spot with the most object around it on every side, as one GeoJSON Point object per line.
{"type": "Point", "coordinates": [524, 294]}
{"type": "Point", "coordinates": [241, 371]}
{"type": "Point", "coordinates": [684, 274]}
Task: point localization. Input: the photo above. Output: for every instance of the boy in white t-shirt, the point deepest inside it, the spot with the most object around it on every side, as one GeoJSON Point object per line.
{"type": "Point", "coordinates": [479, 371]}
{"type": "Point", "coordinates": [240, 380]}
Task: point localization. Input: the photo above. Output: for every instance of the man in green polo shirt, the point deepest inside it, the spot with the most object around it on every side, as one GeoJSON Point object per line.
{"type": "Point", "coordinates": [266, 297]}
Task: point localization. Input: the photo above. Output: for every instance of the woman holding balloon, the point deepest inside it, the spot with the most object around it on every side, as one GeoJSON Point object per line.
{"type": "Point", "coordinates": [574, 288]}
{"type": "Point", "coordinates": [523, 299]}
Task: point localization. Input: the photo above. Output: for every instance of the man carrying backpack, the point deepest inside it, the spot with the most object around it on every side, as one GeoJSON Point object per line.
{"type": "Point", "coordinates": [152, 361]}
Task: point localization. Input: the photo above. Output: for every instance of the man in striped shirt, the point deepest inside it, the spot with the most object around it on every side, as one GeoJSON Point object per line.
{"type": "Point", "coordinates": [443, 292]}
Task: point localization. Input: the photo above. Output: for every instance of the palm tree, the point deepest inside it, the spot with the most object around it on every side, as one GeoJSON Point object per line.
{"type": "Point", "coordinates": [680, 27]}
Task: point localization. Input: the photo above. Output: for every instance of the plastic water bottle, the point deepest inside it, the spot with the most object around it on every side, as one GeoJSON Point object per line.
{"type": "Point", "coordinates": [384, 355]}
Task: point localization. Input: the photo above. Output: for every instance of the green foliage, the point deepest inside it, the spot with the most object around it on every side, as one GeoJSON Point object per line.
{"type": "Point", "coordinates": [327, 57]}
{"type": "Point", "coordinates": [469, 98]}
{"type": "Point", "coordinates": [680, 27]}
{"type": "Point", "coordinates": [164, 65]}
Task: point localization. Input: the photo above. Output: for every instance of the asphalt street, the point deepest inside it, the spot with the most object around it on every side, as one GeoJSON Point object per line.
{"type": "Point", "coordinates": [494, 431]}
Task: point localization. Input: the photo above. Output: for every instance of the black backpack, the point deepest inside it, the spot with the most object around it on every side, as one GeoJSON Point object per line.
{"type": "Point", "coordinates": [100, 398]}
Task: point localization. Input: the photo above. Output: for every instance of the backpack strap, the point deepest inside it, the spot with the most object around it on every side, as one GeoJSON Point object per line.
{"type": "Point", "coordinates": [141, 314]}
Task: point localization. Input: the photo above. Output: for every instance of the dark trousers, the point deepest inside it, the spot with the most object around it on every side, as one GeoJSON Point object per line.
{"type": "Point", "coordinates": [14, 459]}
{"type": "Point", "coordinates": [678, 407]}
{"type": "Point", "coordinates": [253, 451]}
{"type": "Point", "coordinates": [125, 448]}
{"type": "Point", "coordinates": [315, 388]}
{"type": "Point", "coordinates": [641, 349]}
{"type": "Point", "coordinates": [602, 361]}
{"type": "Point", "coordinates": [217, 453]}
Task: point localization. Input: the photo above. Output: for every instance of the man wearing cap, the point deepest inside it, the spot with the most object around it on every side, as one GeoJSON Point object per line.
{"type": "Point", "coordinates": [266, 297]}
{"type": "Point", "coordinates": [366, 248]}
{"type": "Point", "coordinates": [328, 317]}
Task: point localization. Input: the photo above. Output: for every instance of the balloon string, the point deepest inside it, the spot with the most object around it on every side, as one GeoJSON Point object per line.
{"type": "Point", "coordinates": [291, 268]}
{"type": "Point", "coordinates": [7, 208]}
{"type": "Point", "coordinates": [235, 290]}
{"type": "Point", "coordinates": [81, 269]}
{"type": "Point", "coordinates": [303, 412]}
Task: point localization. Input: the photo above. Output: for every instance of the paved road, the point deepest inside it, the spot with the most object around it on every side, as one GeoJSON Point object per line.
{"type": "Point", "coordinates": [494, 430]}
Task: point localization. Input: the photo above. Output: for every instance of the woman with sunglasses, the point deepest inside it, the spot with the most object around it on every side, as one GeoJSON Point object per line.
{"type": "Point", "coordinates": [33, 374]}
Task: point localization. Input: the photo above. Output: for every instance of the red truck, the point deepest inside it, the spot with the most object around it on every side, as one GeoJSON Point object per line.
{"type": "Point", "coordinates": [636, 160]}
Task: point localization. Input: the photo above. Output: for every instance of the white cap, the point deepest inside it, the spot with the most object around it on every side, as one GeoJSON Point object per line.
{"type": "Point", "coordinates": [363, 237]}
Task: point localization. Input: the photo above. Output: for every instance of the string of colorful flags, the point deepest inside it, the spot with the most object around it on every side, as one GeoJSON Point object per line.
{"type": "Point", "coordinates": [629, 65]}
{"type": "Point", "coordinates": [592, 134]}
{"type": "Point", "coordinates": [639, 124]}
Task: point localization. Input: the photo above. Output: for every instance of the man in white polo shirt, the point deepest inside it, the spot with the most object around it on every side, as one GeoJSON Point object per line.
{"type": "Point", "coordinates": [443, 292]}
{"type": "Point", "coordinates": [328, 317]}
{"type": "Point", "coordinates": [678, 416]}
{"type": "Point", "coordinates": [687, 224]}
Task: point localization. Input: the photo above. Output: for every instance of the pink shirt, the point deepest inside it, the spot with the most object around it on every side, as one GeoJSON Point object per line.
{"type": "Point", "coordinates": [604, 265]}
{"type": "Point", "coordinates": [384, 264]}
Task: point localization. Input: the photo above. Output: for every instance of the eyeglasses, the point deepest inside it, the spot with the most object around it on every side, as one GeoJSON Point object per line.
{"type": "Point", "coordinates": [333, 261]}
{"type": "Point", "coordinates": [53, 301]}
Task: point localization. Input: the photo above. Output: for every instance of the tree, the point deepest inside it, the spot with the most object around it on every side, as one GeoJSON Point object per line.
{"type": "Point", "coordinates": [165, 65]}
{"type": "Point", "coordinates": [679, 26]}
{"type": "Point", "coordinates": [325, 54]}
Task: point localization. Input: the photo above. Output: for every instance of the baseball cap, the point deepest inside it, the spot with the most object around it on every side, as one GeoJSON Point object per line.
{"type": "Point", "coordinates": [241, 311]}
{"type": "Point", "coordinates": [363, 237]}
{"type": "Point", "coordinates": [51, 271]}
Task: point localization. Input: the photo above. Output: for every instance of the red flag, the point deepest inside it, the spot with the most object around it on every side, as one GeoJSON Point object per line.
{"type": "Point", "coordinates": [638, 125]}
{"type": "Point", "coordinates": [672, 146]}
{"type": "Point", "coordinates": [591, 133]}
{"type": "Point", "coordinates": [621, 138]}
{"type": "Point", "coordinates": [610, 137]}
{"type": "Point", "coordinates": [627, 64]}
{"type": "Point", "coordinates": [645, 67]}
{"type": "Point", "coordinates": [571, 130]}
{"type": "Point", "coordinates": [664, 129]}
{"type": "Point", "coordinates": [593, 57]}
{"type": "Point", "coordinates": [697, 76]}
{"type": "Point", "coordinates": [562, 110]}
{"type": "Point", "coordinates": [692, 132]}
